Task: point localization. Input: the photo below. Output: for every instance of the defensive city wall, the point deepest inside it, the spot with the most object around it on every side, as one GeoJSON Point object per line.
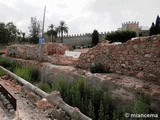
{"type": "Point", "coordinates": [78, 39]}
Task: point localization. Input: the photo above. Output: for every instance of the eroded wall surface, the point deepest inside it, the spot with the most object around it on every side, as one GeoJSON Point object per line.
{"type": "Point", "coordinates": [49, 52]}
{"type": "Point", "coordinates": [32, 51]}
{"type": "Point", "coordinates": [138, 57]}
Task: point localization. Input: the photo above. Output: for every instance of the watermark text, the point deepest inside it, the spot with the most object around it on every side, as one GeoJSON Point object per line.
{"type": "Point", "coordinates": [136, 115]}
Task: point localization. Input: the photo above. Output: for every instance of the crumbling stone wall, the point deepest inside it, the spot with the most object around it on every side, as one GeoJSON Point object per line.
{"type": "Point", "coordinates": [33, 51]}
{"type": "Point", "coordinates": [48, 52]}
{"type": "Point", "coordinates": [138, 57]}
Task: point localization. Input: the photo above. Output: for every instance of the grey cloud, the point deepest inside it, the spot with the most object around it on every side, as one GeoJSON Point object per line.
{"type": "Point", "coordinates": [62, 6]}
{"type": "Point", "coordinates": [100, 14]}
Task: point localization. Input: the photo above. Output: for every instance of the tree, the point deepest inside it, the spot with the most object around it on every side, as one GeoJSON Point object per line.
{"type": "Point", "coordinates": [34, 29]}
{"type": "Point", "coordinates": [12, 31]}
{"type": "Point", "coordinates": [51, 32]}
{"type": "Point", "coordinates": [120, 36]}
{"type": "Point", "coordinates": [8, 33]}
{"type": "Point", "coordinates": [152, 29]}
{"type": "Point", "coordinates": [95, 37]}
{"type": "Point", "coordinates": [3, 34]}
{"type": "Point", "coordinates": [155, 28]}
{"type": "Point", "coordinates": [23, 35]}
{"type": "Point", "coordinates": [157, 25]}
{"type": "Point", "coordinates": [62, 28]}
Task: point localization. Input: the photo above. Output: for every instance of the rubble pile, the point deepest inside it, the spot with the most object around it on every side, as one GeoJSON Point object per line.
{"type": "Point", "coordinates": [48, 52]}
{"type": "Point", "coordinates": [138, 57]}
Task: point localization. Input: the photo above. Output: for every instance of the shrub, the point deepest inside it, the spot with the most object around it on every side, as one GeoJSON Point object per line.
{"type": "Point", "coordinates": [8, 64]}
{"type": "Point", "coordinates": [23, 72]}
{"type": "Point", "coordinates": [4, 62]}
{"type": "Point", "coordinates": [28, 73]}
{"type": "Point", "coordinates": [120, 36]}
{"type": "Point", "coordinates": [88, 99]}
{"type": "Point", "coordinates": [98, 68]}
{"type": "Point", "coordinates": [2, 73]}
{"type": "Point", "coordinates": [44, 86]}
{"type": "Point", "coordinates": [34, 73]}
{"type": "Point", "coordinates": [141, 105]}
{"type": "Point", "coordinates": [1, 53]}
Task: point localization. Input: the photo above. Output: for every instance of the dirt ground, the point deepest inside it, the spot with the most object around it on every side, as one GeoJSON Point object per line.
{"type": "Point", "coordinates": [29, 108]}
{"type": "Point", "coordinates": [26, 109]}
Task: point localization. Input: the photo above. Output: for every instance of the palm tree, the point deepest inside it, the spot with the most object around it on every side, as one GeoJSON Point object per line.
{"type": "Point", "coordinates": [51, 32]}
{"type": "Point", "coordinates": [62, 28]}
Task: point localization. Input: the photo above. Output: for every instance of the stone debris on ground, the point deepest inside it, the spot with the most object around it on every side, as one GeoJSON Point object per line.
{"type": "Point", "coordinates": [139, 57]}
{"type": "Point", "coordinates": [51, 52]}
{"type": "Point", "coordinates": [29, 105]}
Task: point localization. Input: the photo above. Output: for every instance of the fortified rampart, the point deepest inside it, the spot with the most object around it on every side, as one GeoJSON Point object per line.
{"type": "Point", "coordinates": [77, 39]}
{"type": "Point", "coordinates": [137, 57]}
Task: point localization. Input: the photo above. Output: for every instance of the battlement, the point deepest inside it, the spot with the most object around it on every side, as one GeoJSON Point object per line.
{"type": "Point", "coordinates": [130, 23]}
{"type": "Point", "coordinates": [82, 35]}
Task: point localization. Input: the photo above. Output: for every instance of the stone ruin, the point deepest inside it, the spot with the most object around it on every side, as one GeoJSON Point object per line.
{"type": "Point", "coordinates": [138, 57]}
{"type": "Point", "coordinates": [48, 52]}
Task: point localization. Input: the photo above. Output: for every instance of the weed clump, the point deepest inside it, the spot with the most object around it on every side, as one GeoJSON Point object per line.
{"type": "Point", "coordinates": [98, 68]}
{"type": "Point", "coordinates": [2, 73]}
{"type": "Point", "coordinates": [93, 102]}
{"type": "Point", "coordinates": [8, 64]}
{"type": "Point", "coordinates": [28, 73]}
{"type": "Point", "coordinates": [44, 86]}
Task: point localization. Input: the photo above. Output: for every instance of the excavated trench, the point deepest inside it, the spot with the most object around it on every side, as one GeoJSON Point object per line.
{"type": "Point", "coordinates": [123, 88]}
{"type": "Point", "coordinates": [61, 109]}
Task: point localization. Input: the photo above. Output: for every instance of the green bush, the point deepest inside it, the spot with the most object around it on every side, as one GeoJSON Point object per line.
{"type": "Point", "coordinates": [4, 62]}
{"type": "Point", "coordinates": [23, 72]}
{"type": "Point", "coordinates": [1, 53]}
{"type": "Point", "coordinates": [98, 68]}
{"type": "Point", "coordinates": [141, 105]}
{"type": "Point", "coordinates": [28, 73]}
{"type": "Point", "coordinates": [96, 103]}
{"type": "Point", "coordinates": [2, 73]}
{"type": "Point", "coordinates": [88, 99]}
{"type": "Point", "coordinates": [34, 73]}
{"type": "Point", "coordinates": [120, 36]}
{"type": "Point", "coordinates": [44, 86]}
{"type": "Point", "coordinates": [8, 64]}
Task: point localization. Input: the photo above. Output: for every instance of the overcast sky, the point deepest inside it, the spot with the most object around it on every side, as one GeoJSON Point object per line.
{"type": "Point", "coordinates": [81, 16]}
